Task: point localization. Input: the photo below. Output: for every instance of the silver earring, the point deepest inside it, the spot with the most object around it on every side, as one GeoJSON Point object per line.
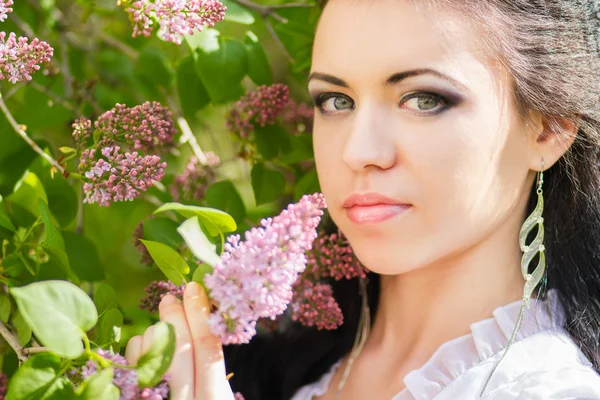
{"type": "Point", "coordinates": [362, 333]}
{"type": "Point", "coordinates": [536, 247]}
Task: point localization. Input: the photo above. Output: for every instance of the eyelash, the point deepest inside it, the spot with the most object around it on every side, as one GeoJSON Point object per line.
{"type": "Point", "coordinates": [321, 98]}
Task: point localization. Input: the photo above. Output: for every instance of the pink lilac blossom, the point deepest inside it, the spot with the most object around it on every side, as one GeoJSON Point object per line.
{"type": "Point", "coordinates": [176, 18]}
{"type": "Point", "coordinates": [254, 277]}
{"type": "Point", "coordinates": [82, 132]}
{"type": "Point", "coordinates": [19, 59]}
{"type": "Point", "coordinates": [238, 396]}
{"type": "Point", "coordinates": [148, 127]}
{"type": "Point", "coordinates": [3, 385]}
{"type": "Point", "coordinates": [118, 176]}
{"type": "Point", "coordinates": [195, 179]}
{"type": "Point", "coordinates": [126, 379]}
{"type": "Point", "coordinates": [332, 256]}
{"type": "Point", "coordinates": [258, 108]}
{"type": "Point", "coordinates": [298, 117]}
{"type": "Point", "coordinates": [314, 305]}
{"type": "Point", "coordinates": [156, 290]}
{"type": "Point", "coordinates": [138, 234]}
{"type": "Point", "coordinates": [5, 9]}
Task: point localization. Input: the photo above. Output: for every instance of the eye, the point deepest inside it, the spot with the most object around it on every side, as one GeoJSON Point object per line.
{"type": "Point", "coordinates": [329, 103]}
{"type": "Point", "coordinates": [424, 102]}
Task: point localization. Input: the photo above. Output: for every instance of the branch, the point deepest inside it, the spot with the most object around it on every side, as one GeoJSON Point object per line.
{"type": "Point", "coordinates": [29, 141]}
{"type": "Point", "coordinates": [270, 11]}
{"type": "Point", "coordinates": [12, 341]}
{"type": "Point", "coordinates": [111, 41]}
{"type": "Point", "coordinates": [188, 137]}
{"type": "Point", "coordinates": [34, 350]}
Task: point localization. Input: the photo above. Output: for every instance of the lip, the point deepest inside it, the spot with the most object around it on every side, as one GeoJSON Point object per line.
{"type": "Point", "coordinates": [372, 208]}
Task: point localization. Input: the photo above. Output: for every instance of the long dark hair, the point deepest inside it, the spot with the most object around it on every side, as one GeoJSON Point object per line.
{"type": "Point", "coordinates": [550, 47]}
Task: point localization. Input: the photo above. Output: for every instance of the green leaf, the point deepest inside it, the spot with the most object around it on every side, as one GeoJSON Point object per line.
{"type": "Point", "coordinates": [211, 217]}
{"type": "Point", "coordinates": [163, 230]}
{"type": "Point", "coordinates": [153, 364]}
{"type": "Point", "coordinates": [99, 386]}
{"type": "Point", "coordinates": [5, 219]}
{"type": "Point", "coordinates": [237, 13]}
{"type": "Point", "coordinates": [62, 199]}
{"type": "Point", "coordinates": [301, 149]}
{"type": "Point", "coordinates": [84, 258]}
{"type": "Point", "coordinates": [197, 241]}
{"type": "Point", "coordinates": [226, 197]}
{"type": "Point", "coordinates": [35, 378]}
{"type": "Point", "coordinates": [109, 328]}
{"type": "Point", "coordinates": [267, 184]}
{"type": "Point", "coordinates": [297, 33]}
{"type": "Point", "coordinates": [270, 139]}
{"type": "Point", "coordinates": [153, 66]}
{"type": "Point", "coordinates": [221, 70]}
{"type": "Point", "coordinates": [27, 193]}
{"type": "Point", "coordinates": [259, 69]}
{"type": "Point", "coordinates": [5, 308]}
{"type": "Point", "coordinates": [66, 150]}
{"type": "Point", "coordinates": [168, 260]}
{"type": "Point", "coordinates": [23, 329]}
{"type": "Point", "coordinates": [192, 93]}
{"type": "Point", "coordinates": [54, 243]}
{"type": "Point", "coordinates": [59, 314]}
{"type": "Point", "coordinates": [308, 184]}
{"type": "Point", "coordinates": [105, 298]}
{"type": "Point", "coordinates": [200, 271]}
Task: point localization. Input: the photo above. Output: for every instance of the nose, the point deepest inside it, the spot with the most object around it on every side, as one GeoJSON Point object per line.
{"type": "Point", "coordinates": [369, 143]}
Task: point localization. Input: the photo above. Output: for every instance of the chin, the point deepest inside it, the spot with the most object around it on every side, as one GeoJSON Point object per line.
{"type": "Point", "coordinates": [386, 260]}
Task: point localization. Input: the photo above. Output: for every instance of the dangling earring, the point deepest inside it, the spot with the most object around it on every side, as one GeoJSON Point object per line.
{"type": "Point", "coordinates": [536, 247]}
{"type": "Point", "coordinates": [362, 333]}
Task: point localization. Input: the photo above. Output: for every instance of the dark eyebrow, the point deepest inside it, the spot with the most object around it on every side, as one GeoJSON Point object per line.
{"type": "Point", "coordinates": [392, 80]}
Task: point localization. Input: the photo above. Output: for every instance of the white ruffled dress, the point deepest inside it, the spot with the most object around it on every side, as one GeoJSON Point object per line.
{"type": "Point", "coordinates": [543, 363]}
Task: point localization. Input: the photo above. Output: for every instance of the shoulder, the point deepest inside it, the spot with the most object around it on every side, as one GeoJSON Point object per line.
{"type": "Point", "coordinates": [570, 383]}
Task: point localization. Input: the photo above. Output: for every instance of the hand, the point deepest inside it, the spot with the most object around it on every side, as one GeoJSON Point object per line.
{"type": "Point", "coordinates": [198, 368]}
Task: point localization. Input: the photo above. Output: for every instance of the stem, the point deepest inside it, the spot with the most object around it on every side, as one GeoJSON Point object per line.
{"type": "Point", "coordinates": [188, 137]}
{"type": "Point", "coordinates": [29, 141]}
{"type": "Point", "coordinates": [34, 350]}
{"type": "Point", "coordinates": [12, 341]}
{"type": "Point", "coordinates": [117, 44]}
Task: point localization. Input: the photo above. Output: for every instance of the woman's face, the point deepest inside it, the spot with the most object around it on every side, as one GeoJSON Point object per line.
{"type": "Point", "coordinates": [416, 116]}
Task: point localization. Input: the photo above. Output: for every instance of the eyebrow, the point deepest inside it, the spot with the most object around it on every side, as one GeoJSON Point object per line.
{"type": "Point", "coordinates": [391, 80]}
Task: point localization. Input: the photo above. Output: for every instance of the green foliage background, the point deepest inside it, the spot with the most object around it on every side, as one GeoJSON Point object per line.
{"type": "Point", "coordinates": [97, 64]}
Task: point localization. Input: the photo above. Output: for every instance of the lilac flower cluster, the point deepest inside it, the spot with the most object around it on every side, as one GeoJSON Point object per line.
{"type": "Point", "coordinates": [254, 278]}
{"type": "Point", "coordinates": [175, 18]}
{"type": "Point", "coordinates": [5, 9]}
{"type": "Point", "coordinates": [314, 305]}
{"type": "Point", "coordinates": [119, 135]}
{"type": "Point", "coordinates": [18, 58]}
{"type": "Point", "coordinates": [332, 256]}
{"type": "Point", "coordinates": [156, 290]}
{"type": "Point", "coordinates": [118, 176]}
{"type": "Point", "coordinates": [195, 179]}
{"type": "Point", "coordinates": [258, 108]}
{"type": "Point", "coordinates": [126, 379]}
{"type": "Point", "coordinates": [138, 234]}
{"type": "Point", "coordinates": [3, 385]}
{"type": "Point", "coordinates": [298, 117]}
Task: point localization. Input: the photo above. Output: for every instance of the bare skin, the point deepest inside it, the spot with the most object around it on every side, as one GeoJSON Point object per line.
{"type": "Point", "coordinates": [452, 149]}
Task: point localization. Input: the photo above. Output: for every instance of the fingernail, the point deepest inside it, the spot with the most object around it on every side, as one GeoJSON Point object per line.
{"type": "Point", "coordinates": [193, 289]}
{"type": "Point", "coordinates": [169, 299]}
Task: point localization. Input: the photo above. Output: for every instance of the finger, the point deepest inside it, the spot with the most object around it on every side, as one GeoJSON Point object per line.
{"type": "Point", "coordinates": [210, 379]}
{"type": "Point", "coordinates": [147, 339]}
{"type": "Point", "coordinates": [133, 350]}
{"type": "Point", "coordinates": [181, 371]}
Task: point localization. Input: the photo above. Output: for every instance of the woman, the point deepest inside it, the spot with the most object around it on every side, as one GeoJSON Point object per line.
{"type": "Point", "coordinates": [441, 126]}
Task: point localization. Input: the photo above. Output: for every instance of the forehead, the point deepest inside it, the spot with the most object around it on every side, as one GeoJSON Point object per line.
{"type": "Point", "coordinates": [375, 37]}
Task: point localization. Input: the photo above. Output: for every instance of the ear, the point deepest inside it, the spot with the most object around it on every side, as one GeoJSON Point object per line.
{"type": "Point", "coordinates": [550, 139]}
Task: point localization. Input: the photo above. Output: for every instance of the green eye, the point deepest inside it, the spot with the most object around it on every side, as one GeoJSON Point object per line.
{"type": "Point", "coordinates": [423, 102]}
{"type": "Point", "coordinates": [341, 103]}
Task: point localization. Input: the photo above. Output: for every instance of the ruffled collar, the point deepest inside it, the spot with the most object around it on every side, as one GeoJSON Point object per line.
{"type": "Point", "coordinates": [455, 357]}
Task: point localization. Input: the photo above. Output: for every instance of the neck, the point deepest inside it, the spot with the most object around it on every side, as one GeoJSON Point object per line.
{"type": "Point", "coordinates": [422, 309]}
